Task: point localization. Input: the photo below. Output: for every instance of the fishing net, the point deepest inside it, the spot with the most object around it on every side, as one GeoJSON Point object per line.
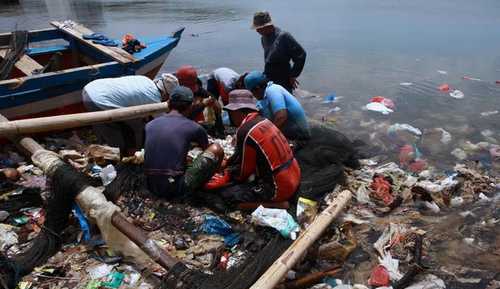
{"type": "Point", "coordinates": [30, 197]}
{"type": "Point", "coordinates": [323, 160]}
{"type": "Point", "coordinates": [238, 277]}
{"type": "Point", "coordinates": [66, 184]}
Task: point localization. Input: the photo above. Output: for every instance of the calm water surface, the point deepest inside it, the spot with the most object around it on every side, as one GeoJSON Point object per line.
{"type": "Point", "coordinates": [356, 48]}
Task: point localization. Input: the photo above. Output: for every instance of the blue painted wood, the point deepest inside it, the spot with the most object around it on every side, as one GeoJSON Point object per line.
{"type": "Point", "coordinates": [44, 35]}
{"type": "Point", "coordinates": [50, 79]}
{"type": "Point", "coordinates": [34, 51]}
{"type": "Point", "coordinates": [52, 84]}
{"type": "Point", "coordinates": [94, 53]}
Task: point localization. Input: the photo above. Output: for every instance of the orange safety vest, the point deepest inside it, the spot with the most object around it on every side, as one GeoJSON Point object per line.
{"type": "Point", "coordinates": [273, 144]}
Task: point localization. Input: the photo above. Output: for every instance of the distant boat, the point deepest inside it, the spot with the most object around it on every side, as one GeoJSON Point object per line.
{"type": "Point", "coordinates": [29, 91]}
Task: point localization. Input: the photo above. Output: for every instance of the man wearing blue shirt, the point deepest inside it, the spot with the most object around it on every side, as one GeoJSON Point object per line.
{"type": "Point", "coordinates": [278, 105]}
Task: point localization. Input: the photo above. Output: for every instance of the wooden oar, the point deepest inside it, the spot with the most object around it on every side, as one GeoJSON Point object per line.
{"type": "Point", "coordinates": [61, 122]}
{"type": "Point", "coordinates": [293, 254]}
{"type": "Point", "coordinates": [104, 213]}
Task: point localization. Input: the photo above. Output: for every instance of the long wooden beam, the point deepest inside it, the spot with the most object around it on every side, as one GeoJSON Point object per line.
{"type": "Point", "coordinates": [77, 31]}
{"type": "Point", "coordinates": [61, 122]}
{"type": "Point", "coordinates": [292, 255]}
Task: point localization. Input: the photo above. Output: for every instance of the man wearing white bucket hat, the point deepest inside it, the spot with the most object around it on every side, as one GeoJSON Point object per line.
{"type": "Point", "coordinates": [126, 91]}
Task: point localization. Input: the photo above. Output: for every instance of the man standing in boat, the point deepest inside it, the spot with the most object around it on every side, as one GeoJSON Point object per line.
{"type": "Point", "coordinates": [110, 93]}
{"type": "Point", "coordinates": [279, 49]}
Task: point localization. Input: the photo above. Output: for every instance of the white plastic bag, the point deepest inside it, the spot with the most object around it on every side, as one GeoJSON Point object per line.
{"type": "Point", "coordinates": [279, 219]}
{"type": "Point", "coordinates": [378, 107]}
{"type": "Point", "coordinates": [108, 174]}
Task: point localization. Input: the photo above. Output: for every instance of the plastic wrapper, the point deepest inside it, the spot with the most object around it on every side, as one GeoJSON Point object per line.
{"type": "Point", "coordinates": [7, 236]}
{"type": "Point", "coordinates": [306, 211]}
{"type": "Point", "coordinates": [82, 220]}
{"type": "Point", "coordinates": [279, 219]}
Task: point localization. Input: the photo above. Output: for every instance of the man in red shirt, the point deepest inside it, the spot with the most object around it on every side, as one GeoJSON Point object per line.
{"type": "Point", "coordinates": [188, 77]}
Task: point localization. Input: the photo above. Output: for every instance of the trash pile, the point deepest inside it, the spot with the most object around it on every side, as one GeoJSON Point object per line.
{"type": "Point", "coordinates": [409, 225]}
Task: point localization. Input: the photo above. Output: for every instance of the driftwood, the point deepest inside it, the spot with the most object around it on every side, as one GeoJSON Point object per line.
{"type": "Point", "coordinates": [61, 122]}
{"type": "Point", "coordinates": [293, 254]}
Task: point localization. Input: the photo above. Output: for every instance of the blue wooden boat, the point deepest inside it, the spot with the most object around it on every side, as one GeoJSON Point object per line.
{"type": "Point", "coordinates": [28, 93]}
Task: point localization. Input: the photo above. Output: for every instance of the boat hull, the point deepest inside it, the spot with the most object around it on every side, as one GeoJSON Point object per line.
{"type": "Point", "coordinates": [71, 102]}
{"type": "Point", "coordinates": [27, 94]}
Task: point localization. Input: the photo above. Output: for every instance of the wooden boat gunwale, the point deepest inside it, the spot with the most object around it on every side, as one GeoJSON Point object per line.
{"type": "Point", "coordinates": [30, 95]}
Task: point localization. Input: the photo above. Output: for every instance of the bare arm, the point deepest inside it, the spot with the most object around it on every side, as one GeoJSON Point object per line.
{"type": "Point", "coordinates": [280, 118]}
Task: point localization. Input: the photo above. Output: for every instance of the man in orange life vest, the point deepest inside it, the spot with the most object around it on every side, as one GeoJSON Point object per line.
{"type": "Point", "coordinates": [261, 150]}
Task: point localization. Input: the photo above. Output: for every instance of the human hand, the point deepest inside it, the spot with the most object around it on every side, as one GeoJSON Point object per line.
{"type": "Point", "coordinates": [209, 101]}
{"type": "Point", "coordinates": [294, 82]}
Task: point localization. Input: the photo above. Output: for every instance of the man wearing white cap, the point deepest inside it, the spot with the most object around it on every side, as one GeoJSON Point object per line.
{"type": "Point", "coordinates": [126, 91]}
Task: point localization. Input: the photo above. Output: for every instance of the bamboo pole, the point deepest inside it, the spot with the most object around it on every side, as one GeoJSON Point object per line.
{"type": "Point", "coordinates": [61, 122]}
{"type": "Point", "coordinates": [94, 204]}
{"type": "Point", "coordinates": [291, 256]}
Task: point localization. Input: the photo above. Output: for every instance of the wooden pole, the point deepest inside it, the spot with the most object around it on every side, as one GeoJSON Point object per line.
{"type": "Point", "coordinates": [292, 255]}
{"type": "Point", "coordinates": [61, 122]}
{"type": "Point", "coordinates": [134, 234]}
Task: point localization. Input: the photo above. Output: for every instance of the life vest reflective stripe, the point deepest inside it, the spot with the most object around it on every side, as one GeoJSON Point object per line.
{"type": "Point", "coordinates": [272, 143]}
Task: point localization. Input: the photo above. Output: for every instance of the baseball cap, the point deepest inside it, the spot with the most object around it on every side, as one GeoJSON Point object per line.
{"type": "Point", "coordinates": [253, 79]}
{"type": "Point", "coordinates": [181, 94]}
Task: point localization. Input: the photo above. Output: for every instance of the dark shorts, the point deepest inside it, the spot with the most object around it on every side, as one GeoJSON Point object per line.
{"type": "Point", "coordinates": [197, 174]}
{"type": "Point", "coordinates": [127, 135]}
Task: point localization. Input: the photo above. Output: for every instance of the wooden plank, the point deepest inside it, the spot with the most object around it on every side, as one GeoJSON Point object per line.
{"type": "Point", "coordinates": [50, 79]}
{"type": "Point", "coordinates": [77, 31]}
{"type": "Point", "coordinates": [26, 64]}
{"type": "Point", "coordinates": [33, 36]}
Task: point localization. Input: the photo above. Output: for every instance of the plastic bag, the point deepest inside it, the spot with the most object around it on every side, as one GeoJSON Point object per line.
{"type": "Point", "coordinates": [279, 219]}
{"type": "Point", "coordinates": [378, 107]}
{"type": "Point", "coordinates": [108, 174]}
{"type": "Point", "coordinates": [457, 94]}
{"type": "Point", "coordinates": [444, 87]}
{"type": "Point", "coordinates": [214, 225]}
{"type": "Point", "coordinates": [82, 220]}
{"type": "Point", "coordinates": [379, 277]}
{"type": "Point", "coordinates": [402, 133]}
{"type": "Point", "coordinates": [384, 100]}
